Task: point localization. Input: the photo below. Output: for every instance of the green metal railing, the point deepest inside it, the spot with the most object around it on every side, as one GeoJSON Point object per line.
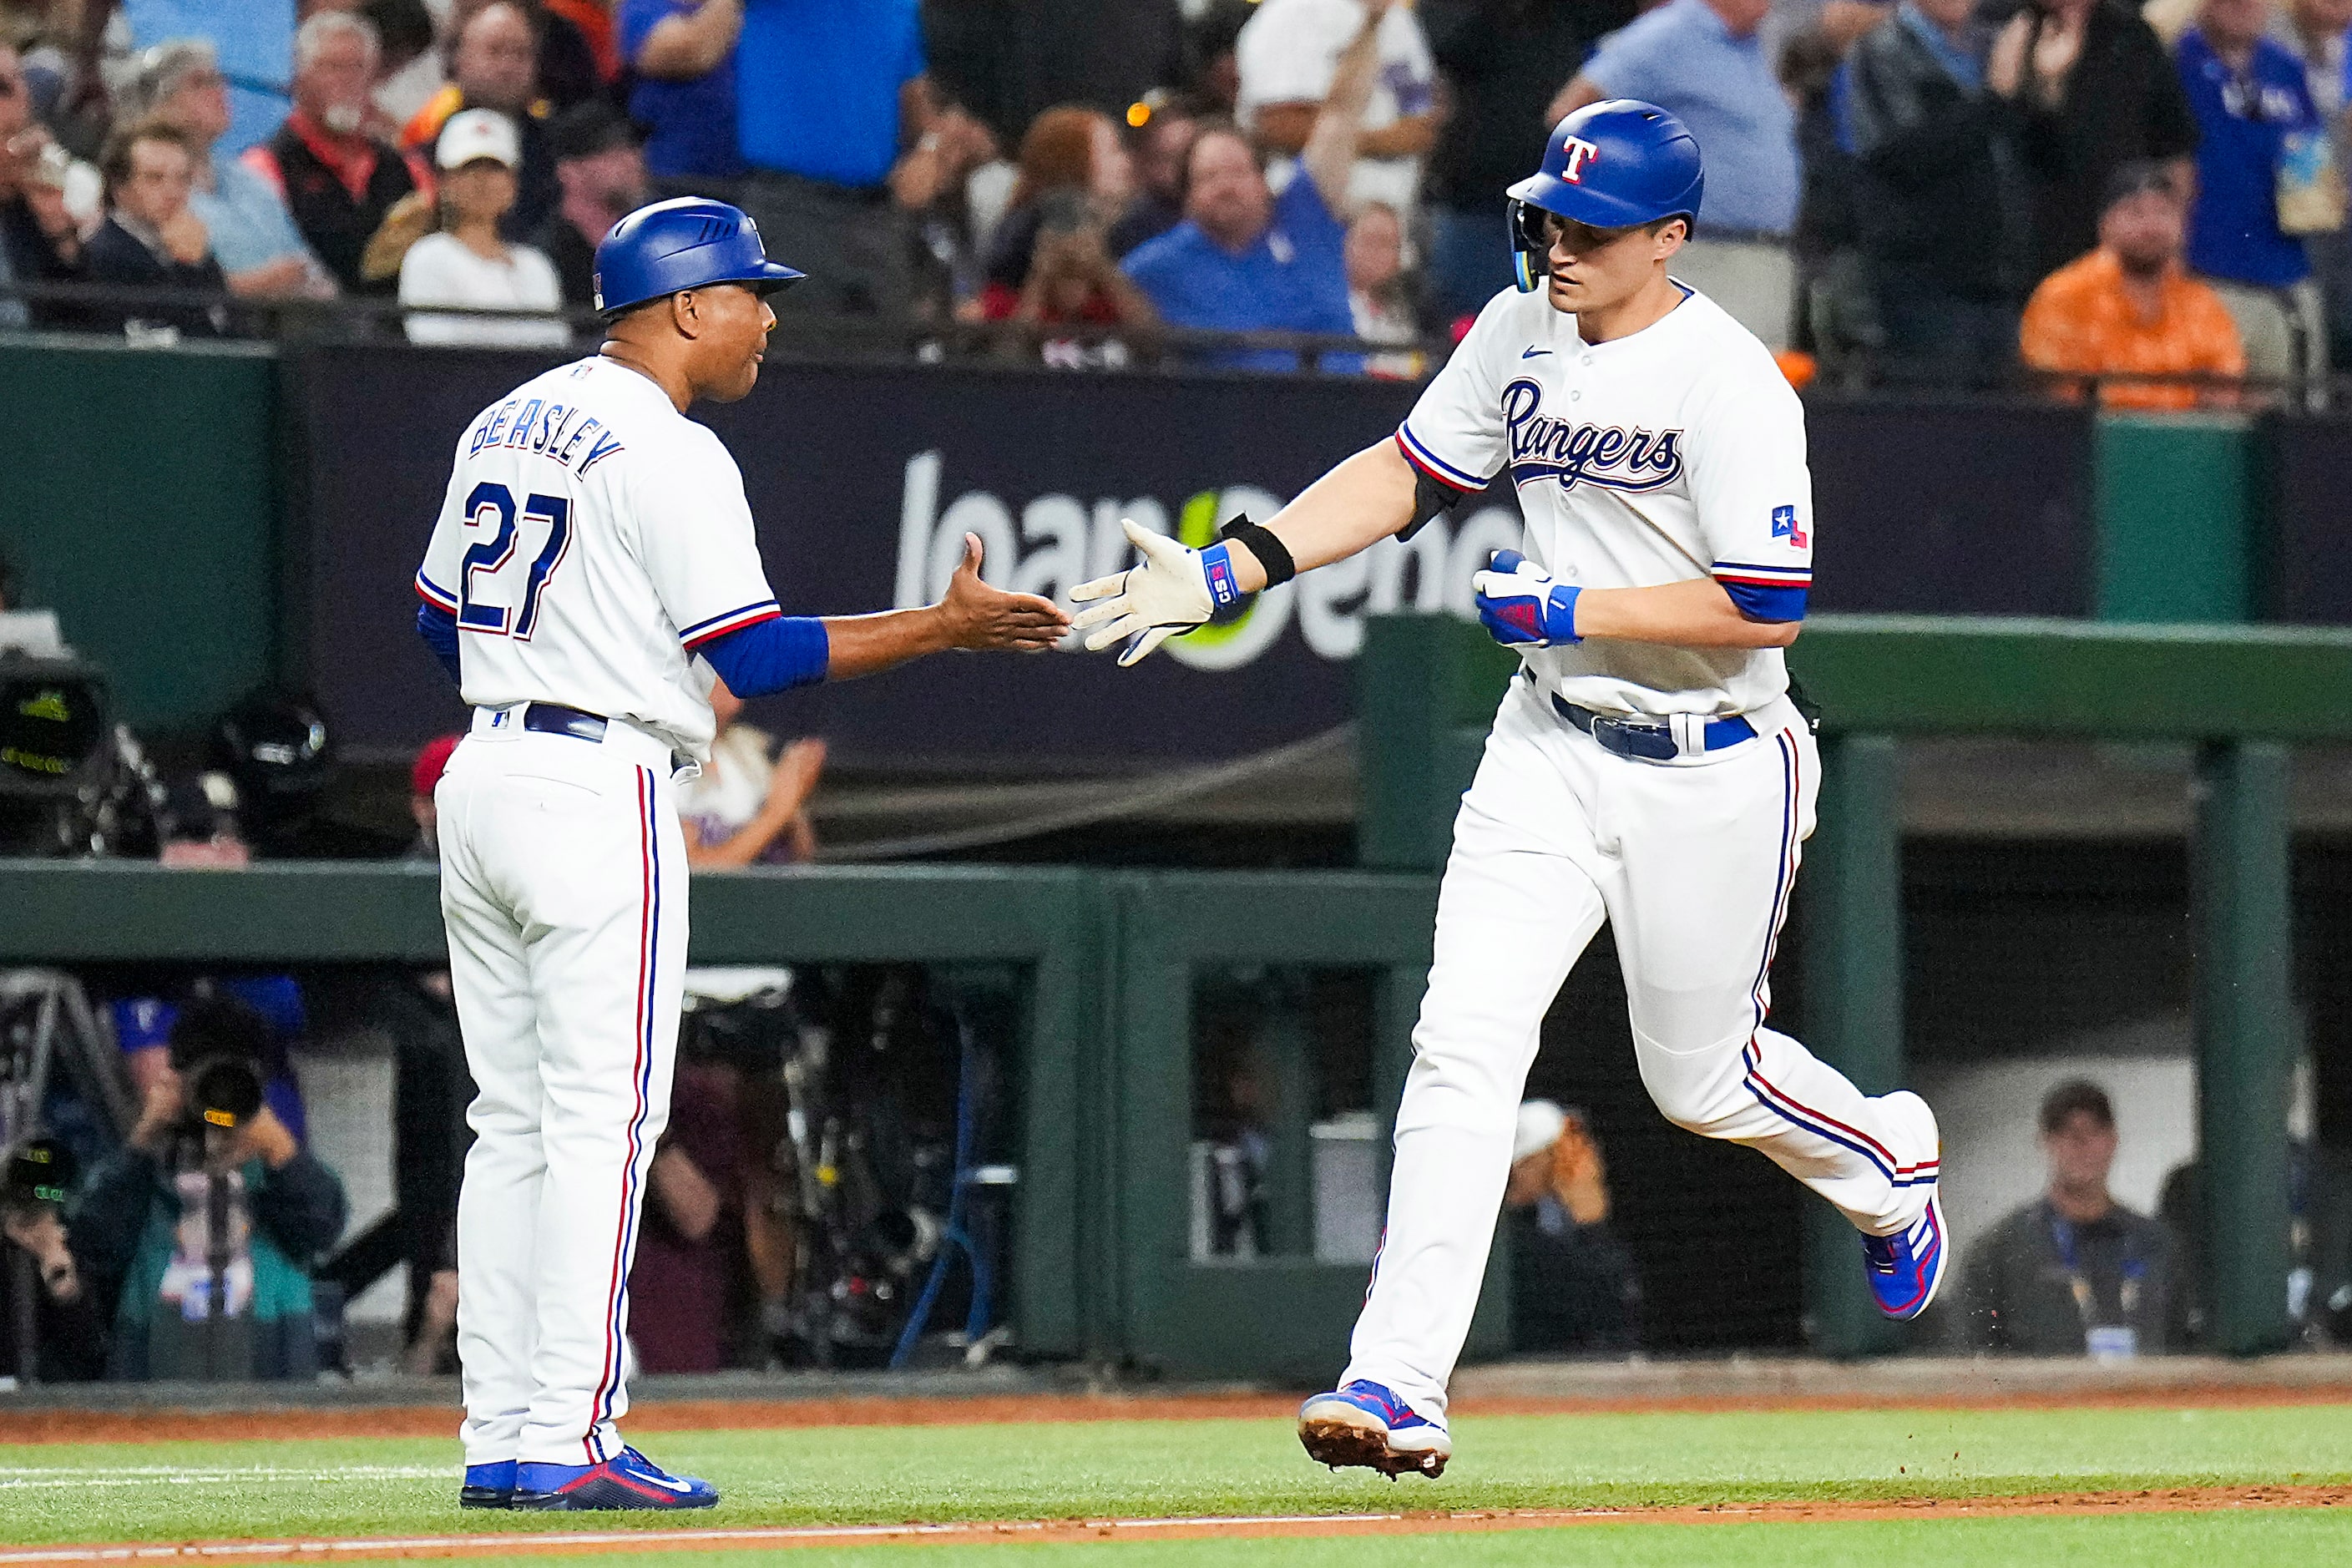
{"type": "Point", "coordinates": [1109, 964]}
{"type": "Point", "coordinates": [2240, 695]}
{"type": "Point", "coordinates": [1051, 923]}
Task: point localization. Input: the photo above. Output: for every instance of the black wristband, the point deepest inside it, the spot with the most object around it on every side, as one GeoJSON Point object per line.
{"type": "Point", "coordinates": [1263, 544]}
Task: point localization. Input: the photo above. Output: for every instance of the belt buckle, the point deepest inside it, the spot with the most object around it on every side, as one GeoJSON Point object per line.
{"type": "Point", "coordinates": [1634, 741]}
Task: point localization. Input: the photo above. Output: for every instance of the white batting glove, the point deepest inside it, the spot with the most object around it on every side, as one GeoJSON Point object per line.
{"type": "Point", "coordinates": [1174, 590]}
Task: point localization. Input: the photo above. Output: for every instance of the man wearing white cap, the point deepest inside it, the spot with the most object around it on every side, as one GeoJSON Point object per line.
{"type": "Point", "coordinates": [1573, 1287]}
{"type": "Point", "coordinates": [466, 264]}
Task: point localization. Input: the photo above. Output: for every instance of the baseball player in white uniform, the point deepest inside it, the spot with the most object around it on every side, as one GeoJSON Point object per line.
{"type": "Point", "coordinates": [1646, 767]}
{"type": "Point", "coordinates": [592, 564]}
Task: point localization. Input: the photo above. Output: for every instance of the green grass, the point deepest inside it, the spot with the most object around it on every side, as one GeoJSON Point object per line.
{"type": "Point", "coordinates": [2301, 1538]}
{"type": "Point", "coordinates": [871, 1474]}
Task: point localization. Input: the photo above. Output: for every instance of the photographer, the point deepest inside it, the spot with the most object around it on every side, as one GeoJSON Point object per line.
{"type": "Point", "coordinates": [1074, 283]}
{"type": "Point", "coordinates": [211, 1215]}
{"type": "Point", "coordinates": [68, 1322]}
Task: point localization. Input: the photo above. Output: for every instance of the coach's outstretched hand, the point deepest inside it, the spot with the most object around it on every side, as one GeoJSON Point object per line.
{"type": "Point", "coordinates": [1170, 592]}
{"type": "Point", "coordinates": [978, 617]}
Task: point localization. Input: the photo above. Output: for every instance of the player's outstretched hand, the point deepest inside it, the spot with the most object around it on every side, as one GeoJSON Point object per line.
{"type": "Point", "coordinates": [979, 616]}
{"type": "Point", "coordinates": [1148, 603]}
{"type": "Point", "coordinates": [1521, 606]}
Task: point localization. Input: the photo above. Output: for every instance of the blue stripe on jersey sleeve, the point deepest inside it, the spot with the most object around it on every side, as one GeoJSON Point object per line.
{"type": "Point", "coordinates": [773, 655]}
{"type": "Point", "coordinates": [439, 628]}
{"type": "Point", "coordinates": [1436, 467]}
{"type": "Point", "coordinates": [1759, 602]}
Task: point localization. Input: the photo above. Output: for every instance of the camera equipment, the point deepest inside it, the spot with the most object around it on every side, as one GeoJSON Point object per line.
{"type": "Point", "coordinates": [71, 782]}
{"type": "Point", "coordinates": [276, 747]}
{"type": "Point", "coordinates": [887, 1100]}
{"type": "Point", "coordinates": [41, 1171]}
{"type": "Point", "coordinates": [53, 727]}
{"type": "Point", "coordinates": [220, 1049]}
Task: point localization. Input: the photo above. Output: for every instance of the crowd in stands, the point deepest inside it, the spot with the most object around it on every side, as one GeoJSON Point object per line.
{"type": "Point", "coordinates": [1936, 187]}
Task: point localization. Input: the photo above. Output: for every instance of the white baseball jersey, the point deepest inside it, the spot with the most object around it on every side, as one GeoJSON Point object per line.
{"type": "Point", "coordinates": [1288, 52]}
{"type": "Point", "coordinates": [1677, 452]}
{"type": "Point", "coordinates": [1674, 454]}
{"type": "Point", "coordinates": [592, 538]}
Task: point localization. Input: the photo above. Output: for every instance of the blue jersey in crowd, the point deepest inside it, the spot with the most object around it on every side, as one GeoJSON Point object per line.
{"type": "Point", "coordinates": [2242, 122]}
{"type": "Point", "coordinates": [827, 75]}
{"type": "Point", "coordinates": [689, 125]}
{"type": "Point", "coordinates": [1683, 58]}
{"type": "Point", "coordinates": [255, 41]}
{"type": "Point", "coordinates": [1293, 277]}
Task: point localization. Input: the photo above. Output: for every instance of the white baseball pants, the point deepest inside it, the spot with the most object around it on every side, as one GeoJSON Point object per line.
{"type": "Point", "coordinates": [564, 886]}
{"type": "Point", "coordinates": [1691, 863]}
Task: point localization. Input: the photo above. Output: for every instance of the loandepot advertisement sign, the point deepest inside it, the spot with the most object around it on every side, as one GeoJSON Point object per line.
{"type": "Point", "coordinates": [1049, 543]}
{"type": "Point", "coordinates": [862, 480]}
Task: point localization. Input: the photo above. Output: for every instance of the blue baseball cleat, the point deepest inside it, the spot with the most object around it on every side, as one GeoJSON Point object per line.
{"type": "Point", "coordinates": [630, 1481]}
{"type": "Point", "coordinates": [1905, 1269]}
{"type": "Point", "coordinates": [488, 1486]}
{"type": "Point", "coordinates": [1365, 1423]}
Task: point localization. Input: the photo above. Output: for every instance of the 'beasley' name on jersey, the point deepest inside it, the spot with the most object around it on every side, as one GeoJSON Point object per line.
{"type": "Point", "coordinates": [1544, 446]}
{"type": "Point", "coordinates": [546, 427]}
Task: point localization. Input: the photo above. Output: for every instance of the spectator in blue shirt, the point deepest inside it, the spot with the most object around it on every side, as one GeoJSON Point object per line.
{"type": "Point", "coordinates": [1704, 62]}
{"type": "Point", "coordinates": [2254, 109]}
{"type": "Point", "coordinates": [837, 140]}
{"type": "Point", "coordinates": [1244, 260]}
{"type": "Point", "coordinates": [683, 55]}
{"type": "Point", "coordinates": [253, 236]}
{"type": "Point", "coordinates": [255, 43]}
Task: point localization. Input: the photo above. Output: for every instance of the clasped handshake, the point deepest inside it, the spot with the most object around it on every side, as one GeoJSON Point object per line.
{"type": "Point", "coordinates": [1175, 589]}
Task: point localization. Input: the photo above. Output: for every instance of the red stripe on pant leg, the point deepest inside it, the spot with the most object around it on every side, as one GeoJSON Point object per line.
{"type": "Point", "coordinates": [607, 1378]}
{"type": "Point", "coordinates": [1756, 1075]}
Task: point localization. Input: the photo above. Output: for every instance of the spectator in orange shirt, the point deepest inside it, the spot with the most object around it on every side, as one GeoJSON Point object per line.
{"type": "Point", "coordinates": [2127, 309]}
{"type": "Point", "coordinates": [495, 63]}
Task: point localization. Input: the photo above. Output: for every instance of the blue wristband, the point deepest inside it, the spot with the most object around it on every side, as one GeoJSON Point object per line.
{"type": "Point", "coordinates": [1217, 567]}
{"type": "Point", "coordinates": [1560, 612]}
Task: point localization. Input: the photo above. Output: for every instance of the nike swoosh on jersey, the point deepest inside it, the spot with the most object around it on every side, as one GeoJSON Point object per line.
{"type": "Point", "coordinates": [1531, 353]}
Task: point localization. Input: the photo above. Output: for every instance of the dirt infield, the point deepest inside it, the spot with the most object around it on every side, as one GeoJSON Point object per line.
{"type": "Point", "coordinates": [1046, 1532]}
{"type": "Point", "coordinates": [159, 1426]}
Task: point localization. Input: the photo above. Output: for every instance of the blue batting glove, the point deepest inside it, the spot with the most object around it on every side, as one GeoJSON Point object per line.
{"type": "Point", "coordinates": [1521, 606]}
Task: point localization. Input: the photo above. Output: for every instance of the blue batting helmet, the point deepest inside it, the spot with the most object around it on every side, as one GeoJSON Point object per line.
{"type": "Point", "coordinates": [1613, 164]}
{"type": "Point", "coordinates": [686, 242]}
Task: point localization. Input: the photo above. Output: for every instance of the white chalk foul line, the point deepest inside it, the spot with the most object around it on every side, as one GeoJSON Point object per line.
{"type": "Point", "coordinates": [23, 1478]}
{"type": "Point", "coordinates": [525, 1542]}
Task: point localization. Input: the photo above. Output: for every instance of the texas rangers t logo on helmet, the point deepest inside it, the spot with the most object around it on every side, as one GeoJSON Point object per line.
{"type": "Point", "coordinates": [1576, 154]}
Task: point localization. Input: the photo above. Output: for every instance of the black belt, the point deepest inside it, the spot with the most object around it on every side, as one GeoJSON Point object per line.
{"type": "Point", "coordinates": [1649, 739]}
{"type": "Point", "coordinates": [555, 718]}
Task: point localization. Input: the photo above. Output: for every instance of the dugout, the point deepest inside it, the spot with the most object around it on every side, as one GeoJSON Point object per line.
{"type": "Point", "coordinates": [2238, 698]}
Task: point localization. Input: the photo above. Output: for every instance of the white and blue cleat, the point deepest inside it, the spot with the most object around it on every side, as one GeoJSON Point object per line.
{"type": "Point", "coordinates": [1365, 1423]}
{"type": "Point", "coordinates": [1905, 1269]}
{"type": "Point", "coordinates": [630, 1481]}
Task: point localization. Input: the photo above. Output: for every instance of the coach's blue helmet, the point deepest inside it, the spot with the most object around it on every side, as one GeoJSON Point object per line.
{"type": "Point", "coordinates": [686, 242]}
{"type": "Point", "coordinates": [1613, 164]}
